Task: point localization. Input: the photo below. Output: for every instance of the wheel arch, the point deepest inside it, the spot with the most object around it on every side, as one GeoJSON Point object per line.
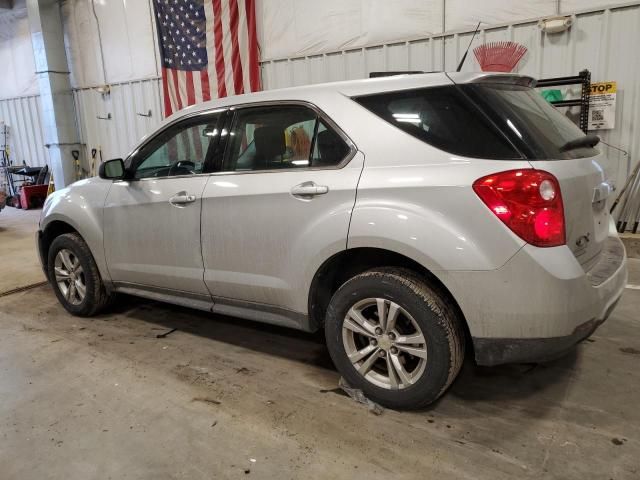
{"type": "Point", "coordinates": [57, 225]}
{"type": "Point", "coordinates": [53, 230]}
{"type": "Point", "coordinates": [347, 263]}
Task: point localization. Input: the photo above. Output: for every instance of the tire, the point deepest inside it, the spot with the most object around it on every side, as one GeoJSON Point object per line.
{"type": "Point", "coordinates": [86, 272]}
{"type": "Point", "coordinates": [436, 357]}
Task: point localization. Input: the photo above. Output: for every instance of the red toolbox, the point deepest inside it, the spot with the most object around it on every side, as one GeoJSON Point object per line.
{"type": "Point", "coordinates": [32, 196]}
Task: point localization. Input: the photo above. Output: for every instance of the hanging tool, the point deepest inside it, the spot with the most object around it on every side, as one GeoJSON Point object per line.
{"type": "Point", "coordinates": [94, 152]}
{"type": "Point", "coordinates": [76, 158]}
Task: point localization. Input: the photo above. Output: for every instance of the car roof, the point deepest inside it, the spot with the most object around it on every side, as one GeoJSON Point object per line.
{"type": "Point", "coordinates": [348, 88]}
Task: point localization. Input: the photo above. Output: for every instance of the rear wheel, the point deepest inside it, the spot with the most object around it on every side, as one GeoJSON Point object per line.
{"type": "Point", "coordinates": [74, 275]}
{"type": "Point", "coordinates": [394, 337]}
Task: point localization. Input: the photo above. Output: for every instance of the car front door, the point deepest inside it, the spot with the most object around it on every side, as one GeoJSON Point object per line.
{"type": "Point", "coordinates": [279, 203]}
{"type": "Point", "coordinates": [152, 219]}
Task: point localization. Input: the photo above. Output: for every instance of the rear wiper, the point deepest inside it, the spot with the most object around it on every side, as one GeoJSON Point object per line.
{"type": "Point", "coordinates": [582, 142]}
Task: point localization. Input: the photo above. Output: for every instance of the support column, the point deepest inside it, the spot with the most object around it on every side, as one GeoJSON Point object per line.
{"type": "Point", "coordinates": [56, 97]}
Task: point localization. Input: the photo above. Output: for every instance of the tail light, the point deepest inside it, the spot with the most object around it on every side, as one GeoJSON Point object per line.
{"type": "Point", "coordinates": [528, 202]}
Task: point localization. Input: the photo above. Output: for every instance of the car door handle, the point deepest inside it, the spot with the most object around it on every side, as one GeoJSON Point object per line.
{"type": "Point", "coordinates": [182, 198]}
{"type": "Point", "coordinates": [309, 189]}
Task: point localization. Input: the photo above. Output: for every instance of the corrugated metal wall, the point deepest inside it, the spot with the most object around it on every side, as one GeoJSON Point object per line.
{"type": "Point", "coordinates": [24, 117]}
{"type": "Point", "coordinates": [128, 106]}
{"type": "Point", "coordinates": [604, 41]}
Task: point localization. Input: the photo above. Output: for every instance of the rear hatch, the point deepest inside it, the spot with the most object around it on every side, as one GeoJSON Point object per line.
{"type": "Point", "coordinates": [502, 117]}
{"type": "Point", "coordinates": [550, 141]}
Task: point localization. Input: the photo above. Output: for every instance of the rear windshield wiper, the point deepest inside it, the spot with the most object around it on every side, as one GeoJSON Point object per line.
{"type": "Point", "coordinates": [582, 142]}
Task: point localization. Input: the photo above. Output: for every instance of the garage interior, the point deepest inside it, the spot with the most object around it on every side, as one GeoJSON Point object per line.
{"type": "Point", "coordinates": [151, 390]}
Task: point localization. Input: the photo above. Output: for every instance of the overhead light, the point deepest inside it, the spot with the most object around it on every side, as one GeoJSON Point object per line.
{"type": "Point", "coordinates": [555, 24]}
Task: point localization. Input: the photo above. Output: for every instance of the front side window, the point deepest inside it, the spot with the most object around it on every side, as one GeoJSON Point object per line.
{"type": "Point", "coordinates": [180, 150]}
{"type": "Point", "coordinates": [282, 137]}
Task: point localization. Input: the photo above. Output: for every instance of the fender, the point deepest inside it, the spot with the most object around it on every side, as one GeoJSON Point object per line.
{"type": "Point", "coordinates": [80, 205]}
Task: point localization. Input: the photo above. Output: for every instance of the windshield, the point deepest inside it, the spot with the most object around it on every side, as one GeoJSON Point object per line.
{"type": "Point", "coordinates": [535, 127]}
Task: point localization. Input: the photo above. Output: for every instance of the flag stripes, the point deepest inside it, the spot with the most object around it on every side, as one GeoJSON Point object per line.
{"type": "Point", "coordinates": [208, 49]}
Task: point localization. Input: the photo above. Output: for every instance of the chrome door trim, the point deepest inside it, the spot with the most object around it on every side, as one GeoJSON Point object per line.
{"type": "Point", "coordinates": [353, 149]}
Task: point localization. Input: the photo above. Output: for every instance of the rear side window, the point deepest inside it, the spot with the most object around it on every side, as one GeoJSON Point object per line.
{"type": "Point", "coordinates": [442, 117]}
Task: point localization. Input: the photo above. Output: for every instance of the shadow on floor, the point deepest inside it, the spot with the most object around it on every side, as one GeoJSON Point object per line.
{"type": "Point", "coordinates": [475, 384]}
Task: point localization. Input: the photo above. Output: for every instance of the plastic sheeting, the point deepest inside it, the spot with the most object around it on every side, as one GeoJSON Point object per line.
{"type": "Point", "coordinates": [465, 14]}
{"type": "Point", "coordinates": [128, 41]}
{"type": "Point", "coordinates": [289, 28]}
{"type": "Point", "coordinates": [16, 56]}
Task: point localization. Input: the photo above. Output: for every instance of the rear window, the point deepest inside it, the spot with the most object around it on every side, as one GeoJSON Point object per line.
{"type": "Point", "coordinates": [443, 117]}
{"type": "Point", "coordinates": [536, 128]}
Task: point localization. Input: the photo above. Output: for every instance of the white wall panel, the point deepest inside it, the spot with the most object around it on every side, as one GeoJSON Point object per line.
{"type": "Point", "coordinates": [601, 41]}
{"type": "Point", "coordinates": [24, 118]}
{"type": "Point", "coordinates": [127, 103]}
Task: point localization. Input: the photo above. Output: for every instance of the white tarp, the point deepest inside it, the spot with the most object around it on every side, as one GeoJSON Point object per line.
{"type": "Point", "coordinates": [288, 28]}
{"type": "Point", "coordinates": [127, 35]}
{"type": "Point", "coordinates": [465, 14]}
{"type": "Point", "coordinates": [18, 76]}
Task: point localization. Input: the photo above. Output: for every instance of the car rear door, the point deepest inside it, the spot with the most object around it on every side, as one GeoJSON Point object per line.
{"type": "Point", "coordinates": [279, 204]}
{"type": "Point", "coordinates": [152, 219]}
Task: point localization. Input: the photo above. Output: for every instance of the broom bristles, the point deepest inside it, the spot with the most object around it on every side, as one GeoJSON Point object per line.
{"type": "Point", "coordinates": [499, 56]}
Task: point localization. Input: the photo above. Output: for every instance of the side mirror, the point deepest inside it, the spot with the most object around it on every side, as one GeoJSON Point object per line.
{"type": "Point", "coordinates": [112, 169]}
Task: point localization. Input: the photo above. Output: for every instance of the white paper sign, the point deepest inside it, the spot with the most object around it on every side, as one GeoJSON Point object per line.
{"type": "Point", "coordinates": [602, 106]}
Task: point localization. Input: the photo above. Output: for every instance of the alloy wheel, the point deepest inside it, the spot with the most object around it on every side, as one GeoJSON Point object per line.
{"type": "Point", "coordinates": [70, 277]}
{"type": "Point", "coordinates": [384, 343]}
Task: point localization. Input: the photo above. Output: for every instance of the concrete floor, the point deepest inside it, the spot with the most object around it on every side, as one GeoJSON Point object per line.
{"type": "Point", "coordinates": [225, 398]}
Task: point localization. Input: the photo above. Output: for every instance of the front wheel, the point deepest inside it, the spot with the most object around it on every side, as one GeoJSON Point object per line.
{"type": "Point", "coordinates": [74, 275]}
{"type": "Point", "coordinates": [394, 337]}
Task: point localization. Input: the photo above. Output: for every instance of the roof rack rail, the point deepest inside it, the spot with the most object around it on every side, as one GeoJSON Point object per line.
{"type": "Point", "coordinates": [393, 73]}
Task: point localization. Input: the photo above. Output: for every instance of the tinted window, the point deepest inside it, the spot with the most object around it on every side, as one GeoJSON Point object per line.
{"type": "Point", "coordinates": [442, 117]}
{"type": "Point", "coordinates": [269, 138]}
{"type": "Point", "coordinates": [329, 148]}
{"type": "Point", "coordinates": [179, 150]}
{"type": "Point", "coordinates": [537, 128]}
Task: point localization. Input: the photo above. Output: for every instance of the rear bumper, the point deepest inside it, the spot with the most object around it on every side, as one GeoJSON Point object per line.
{"type": "Point", "coordinates": [540, 304]}
{"type": "Point", "coordinates": [496, 351]}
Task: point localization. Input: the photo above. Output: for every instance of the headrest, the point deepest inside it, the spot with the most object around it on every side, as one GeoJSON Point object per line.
{"type": "Point", "coordinates": [331, 148]}
{"type": "Point", "coordinates": [270, 142]}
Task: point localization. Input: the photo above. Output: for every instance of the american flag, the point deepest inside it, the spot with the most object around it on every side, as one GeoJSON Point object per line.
{"type": "Point", "coordinates": [208, 49]}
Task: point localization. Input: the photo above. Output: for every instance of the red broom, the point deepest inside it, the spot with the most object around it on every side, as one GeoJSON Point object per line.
{"type": "Point", "coordinates": [499, 56]}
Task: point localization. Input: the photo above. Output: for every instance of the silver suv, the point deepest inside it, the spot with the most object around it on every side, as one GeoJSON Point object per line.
{"type": "Point", "coordinates": [413, 218]}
